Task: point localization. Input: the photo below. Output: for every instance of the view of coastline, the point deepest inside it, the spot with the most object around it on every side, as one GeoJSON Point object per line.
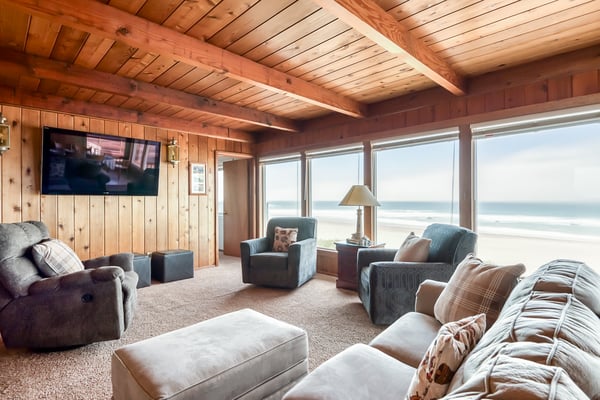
{"type": "Point", "coordinates": [531, 233]}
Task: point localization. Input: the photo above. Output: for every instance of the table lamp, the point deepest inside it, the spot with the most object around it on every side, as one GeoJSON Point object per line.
{"type": "Point", "coordinates": [359, 195]}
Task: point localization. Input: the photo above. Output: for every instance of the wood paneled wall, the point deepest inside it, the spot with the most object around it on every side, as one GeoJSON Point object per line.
{"type": "Point", "coordinates": [98, 225]}
{"type": "Point", "coordinates": [494, 96]}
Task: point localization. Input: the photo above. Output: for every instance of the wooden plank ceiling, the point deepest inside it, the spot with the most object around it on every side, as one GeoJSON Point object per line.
{"type": "Point", "coordinates": [231, 68]}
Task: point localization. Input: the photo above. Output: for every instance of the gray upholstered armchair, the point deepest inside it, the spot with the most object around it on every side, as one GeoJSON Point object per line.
{"type": "Point", "coordinates": [93, 304]}
{"type": "Point", "coordinates": [263, 266]}
{"type": "Point", "coordinates": [387, 289]}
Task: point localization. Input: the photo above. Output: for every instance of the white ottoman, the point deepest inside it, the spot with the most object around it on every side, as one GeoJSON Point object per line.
{"type": "Point", "coordinates": [240, 355]}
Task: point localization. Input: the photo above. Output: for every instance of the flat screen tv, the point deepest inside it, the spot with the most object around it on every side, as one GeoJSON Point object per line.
{"type": "Point", "coordinates": [84, 163]}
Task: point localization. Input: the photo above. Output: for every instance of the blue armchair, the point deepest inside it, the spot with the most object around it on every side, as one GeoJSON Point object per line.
{"type": "Point", "coordinates": [387, 289]}
{"type": "Point", "coordinates": [263, 266]}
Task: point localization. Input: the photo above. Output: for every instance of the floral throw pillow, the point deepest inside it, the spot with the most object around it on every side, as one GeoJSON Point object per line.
{"type": "Point", "coordinates": [284, 237]}
{"type": "Point", "coordinates": [443, 357]}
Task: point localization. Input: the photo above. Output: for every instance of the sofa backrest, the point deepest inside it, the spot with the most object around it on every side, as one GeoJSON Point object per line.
{"type": "Point", "coordinates": [307, 226]}
{"type": "Point", "coordinates": [450, 244]}
{"type": "Point", "coordinates": [550, 320]}
{"type": "Point", "coordinates": [17, 270]}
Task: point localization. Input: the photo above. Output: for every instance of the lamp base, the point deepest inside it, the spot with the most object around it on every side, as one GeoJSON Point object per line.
{"type": "Point", "coordinates": [358, 237]}
{"type": "Point", "coordinates": [358, 240]}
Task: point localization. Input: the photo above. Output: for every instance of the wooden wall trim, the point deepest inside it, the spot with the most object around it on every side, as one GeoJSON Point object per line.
{"type": "Point", "coordinates": [465, 177]}
{"type": "Point", "coordinates": [369, 212]}
{"type": "Point", "coordinates": [83, 108]}
{"type": "Point", "coordinates": [557, 93]}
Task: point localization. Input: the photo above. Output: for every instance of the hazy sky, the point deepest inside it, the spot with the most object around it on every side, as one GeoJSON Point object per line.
{"type": "Point", "coordinates": [561, 164]}
{"type": "Point", "coordinates": [555, 165]}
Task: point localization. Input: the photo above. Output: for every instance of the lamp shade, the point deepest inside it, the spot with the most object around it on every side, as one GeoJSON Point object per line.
{"type": "Point", "coordinates": [359, 195]}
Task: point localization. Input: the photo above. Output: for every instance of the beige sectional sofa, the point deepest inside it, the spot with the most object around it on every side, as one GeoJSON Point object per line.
{"type": "Point", "coordinates": [545, 344]}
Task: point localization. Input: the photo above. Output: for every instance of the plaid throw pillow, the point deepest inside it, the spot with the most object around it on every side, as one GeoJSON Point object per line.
{"type": "Point", "coordinates": [284, 237]}
{"type": "Point", "coordinates": [476, 287]}
{"type": "Point", "coordinates": [54, 257]}
{"type": "Point", "coordinates": [443, 357]}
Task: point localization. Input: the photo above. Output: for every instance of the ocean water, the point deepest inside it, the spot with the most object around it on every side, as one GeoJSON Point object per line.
{"type": "Point", "coordinates": [546, 220]}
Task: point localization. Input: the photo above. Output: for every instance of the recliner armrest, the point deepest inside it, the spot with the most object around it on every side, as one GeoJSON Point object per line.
{"type": "Point", "coordinates": [296, 250]}
{"type": "Point", "coordinates": [441, 271]}
{"type": "Point", "coordinates": [367, 256]}
{"type": "Point", "coordinates": [123, 260]}
{"type": "Point", "coordinates": [303, 244]}
{"type": "Point", "coordinates": [78, 279]}
{"type": "Point", "coordinates": [399, 281]}
{"type": "Point", "coordinates": [427, 295]}
{"type": "Point", "coordinates": [247, 249]}
{"type": "Point", "coordinates": [258, 245]}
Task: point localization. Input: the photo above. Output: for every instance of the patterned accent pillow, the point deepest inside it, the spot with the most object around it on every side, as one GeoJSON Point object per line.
{"type": "Point", "coordinates": [443, 357]}
{"type": "Point", "coordinates": [284, 237]}
{"type": "Point", "coordinates": [476, 287]}
{"type": "Point", "coordinates": [414, 249]}
{"type": "Point", "coordinates": [54, 257]}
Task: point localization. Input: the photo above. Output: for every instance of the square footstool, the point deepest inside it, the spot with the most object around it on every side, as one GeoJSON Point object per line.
{"type": "Point", "coordinates": [141, 265]}
{"type": "Point", "coordinates": [172, 265]}
{"type": "Point", "coordinates": [243, 354]}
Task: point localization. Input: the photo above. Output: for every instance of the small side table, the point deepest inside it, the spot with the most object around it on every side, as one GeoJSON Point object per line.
{"type": "Point", "coordinates": [347, 275]}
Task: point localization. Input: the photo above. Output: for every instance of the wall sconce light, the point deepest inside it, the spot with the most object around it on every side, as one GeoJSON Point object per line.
{"type": "Point", "coordinates": [4, 134]}
{"type": "Point", "coordinates": [173, 152]}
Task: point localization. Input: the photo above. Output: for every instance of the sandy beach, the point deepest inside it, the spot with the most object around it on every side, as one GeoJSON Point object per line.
{"type": "Point", "coordinates": [491, 247]}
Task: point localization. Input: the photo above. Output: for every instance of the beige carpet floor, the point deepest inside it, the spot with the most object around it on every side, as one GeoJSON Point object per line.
{"type": "Point", "coordinates": [333, 318]}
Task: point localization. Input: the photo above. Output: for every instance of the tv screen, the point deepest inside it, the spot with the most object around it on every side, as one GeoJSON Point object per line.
{"type": "Point", "coordinates": [76, 162]}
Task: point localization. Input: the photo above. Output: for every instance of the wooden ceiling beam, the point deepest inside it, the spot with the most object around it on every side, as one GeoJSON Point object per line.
{"type": "Point", "coordinates": [101, 19]}
{"type": "Point", "coordinates": [66, 105]}
{"type": "Point", "coordinates": [44, 68]}
{"type": "Point", "coordinates": [371, 20]}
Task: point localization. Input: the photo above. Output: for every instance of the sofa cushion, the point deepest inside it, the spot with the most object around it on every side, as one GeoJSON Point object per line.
{"type": "Point", "coordinates": [581, 366]}
{"type": "Point", "coordinates": [543, 319]}
{"type": "Point", "coordinates": [53, 257]}
{"type": "Point", "coordinates": [562, 276]}
{"type": "Point", "coordinates": [269, 261]}
{"type": "Point", "coordinates": [476, 287]}
{"type": "Point", "coordinates": [284, 237]}
{"type": "Point", "coordinates": [509, 378]}
{"type": "Point", "coordinates": [358, 372]}
{"type": "Point", "coordinates": [414, 249]}
{"type": "Point", "coordinates": [443, 357]}
{"type": "Point", "coordinates": [408, 338]}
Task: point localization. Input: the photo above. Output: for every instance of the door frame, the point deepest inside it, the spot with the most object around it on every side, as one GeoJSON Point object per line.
{"type": "Point", "coordinates": [251, 189]}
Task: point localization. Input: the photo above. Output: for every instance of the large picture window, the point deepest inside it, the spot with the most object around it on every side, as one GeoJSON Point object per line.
{"type": "Point", "coordinates": [538, 195]}
{"type": "Point", "coordinates": [282, 190]}
{"type": "Point", "coordinates": [331, 176]}
{"type": "Point", "coordinates": [417, 185]}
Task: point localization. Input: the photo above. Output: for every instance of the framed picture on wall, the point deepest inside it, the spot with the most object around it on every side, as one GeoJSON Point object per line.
{"type": "Point", "coordinates": [197, 178]}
